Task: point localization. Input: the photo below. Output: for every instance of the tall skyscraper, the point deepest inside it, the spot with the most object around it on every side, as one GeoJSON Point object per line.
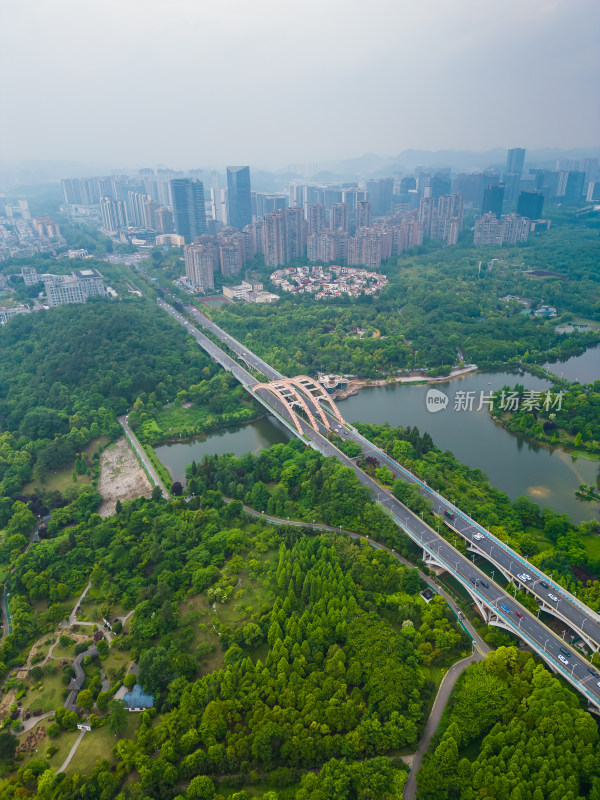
{"type": "Point", "coordinates": [189, 213]}
{"type": "Point", "coordinates": [530, 205]}
{"type": "Point", "coordinates": [493, 198]}
{"type": "Point", "coordinates": [239, 200]}
{"type": "Point", "coordinates": [574, 186]}
{"type": "Point", "coordinates": [515, 160]}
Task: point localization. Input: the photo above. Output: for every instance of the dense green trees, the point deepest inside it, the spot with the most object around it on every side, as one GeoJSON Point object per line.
{"type": "Point", "coordinates": [576, 423]}
{"type": "Point", "coordinates": [513, 731]}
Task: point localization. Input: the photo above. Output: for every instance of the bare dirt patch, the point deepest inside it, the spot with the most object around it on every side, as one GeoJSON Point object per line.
{"type": "Point", "coordinates": [121, 477]}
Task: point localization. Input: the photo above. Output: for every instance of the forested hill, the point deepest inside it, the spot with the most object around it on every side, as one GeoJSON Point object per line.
{"type": "Point", "coordinates": [100, 353]}
{"type": "Point", "coordinates": [66, 373]}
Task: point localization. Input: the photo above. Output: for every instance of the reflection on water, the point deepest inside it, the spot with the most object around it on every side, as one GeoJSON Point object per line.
{"type": "Point", "coordinates": [511, 462]}
{"type": "Point", "coordinates": [238, 440]}
{"type": "Point", "coordinates": [584, 368]}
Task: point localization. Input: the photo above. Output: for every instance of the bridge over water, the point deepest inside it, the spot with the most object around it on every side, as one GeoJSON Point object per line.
{"type": "Point", "coordinates": [310, 414]}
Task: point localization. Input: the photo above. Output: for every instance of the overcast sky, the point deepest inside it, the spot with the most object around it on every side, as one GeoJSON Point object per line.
{"type": "Point", "coordinates": [191, 83]}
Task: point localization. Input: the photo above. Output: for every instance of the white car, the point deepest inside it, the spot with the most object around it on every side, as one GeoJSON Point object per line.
{"type": "Point", "coordinates": [478, 536]}
{"type": "Point", "coordinates": [526, 576]}
{"type": "Point", "coordinates": [553, 597]}
{"type": "Point", "coordinates": [562, 658]}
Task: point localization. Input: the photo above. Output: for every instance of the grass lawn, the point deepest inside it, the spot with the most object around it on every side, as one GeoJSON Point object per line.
{"type": "Point", "coordinates": [433, 673]}
{"type": "Point", "coordinates": [57, 481]}
{"type": "Point", "coordinates": [115, 664]}
{"type": "Point", "coordinates": [49, 697]}
{"type": "Point", "coordinates": [62, 479]}
{"type": "Point", "coordinates": [98, 744]}
{"type": "Point", "coordinates": [203, 631]}
{"type": "Point", "coordinates": [592, 545]}
{"type": "Point", "coordinates": [175, 420]}
{"type": "Point", "coordinates": [64, 742]}
{"type": "Point", "coordinates": [246, 601]}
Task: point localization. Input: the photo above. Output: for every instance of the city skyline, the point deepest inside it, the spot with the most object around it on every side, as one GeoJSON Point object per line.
{"type": "Point", "coordinates": [534, 85]}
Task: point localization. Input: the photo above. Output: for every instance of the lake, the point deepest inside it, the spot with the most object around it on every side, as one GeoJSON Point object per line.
{"type": "Point", "coordinates": [238, 439]}
{"type": "Point", "coordinates": [513, 464]}
{"type": "Point", "coordinates": [584, 368]}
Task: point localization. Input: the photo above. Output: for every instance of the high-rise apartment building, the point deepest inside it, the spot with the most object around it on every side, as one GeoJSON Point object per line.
{"type": "Point", "coordinates": [201, 261]}
{"type": "Point", "coordinates": [239, 200]}
{"type": "Point", "coordinates": [363, 214]}
{"type": "Point", "coordinates": [274, 238]}
{"type": "Point", "coordinates": [295, 236]}
{"type": "Point", "coordinates": [189, 213]}
{"type": "Point", "coordinates": [114, 215]}
{"type": "Point", "coordinates": [316, 219]}
{"type": "Point", "coordinates": [339, 217]}
{"type": "Point", "coordinates": [492, 231]}
{"type": "Point", "coordinates": [232, 254]}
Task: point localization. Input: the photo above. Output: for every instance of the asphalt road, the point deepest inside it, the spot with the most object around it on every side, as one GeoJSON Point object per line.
{"type": "Point", "coordinates": [441, 700]}
{"type": "Point", "coordinates": [559, 656]}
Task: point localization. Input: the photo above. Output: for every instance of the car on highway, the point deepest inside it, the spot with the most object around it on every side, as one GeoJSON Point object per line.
{"type": "Point", "coordinates": [519, 615]}
{"type": "Point", "coordinates": [553, 597]}
{"type": "Point", "coordinates": [544, 584]}
{"type": "Point", "coordinates": [483, 582]}
{"type": "Point", "coordinates": [562, 658]}
{"type": "Point", "coordinates": [521, 576]}
{"type": "Point", "coordinates": [449, 514]}
{"type": "Point", "coordinates": [478, 536]}
{"type": "Point", "coordinates": [593, 672]}
{"type": "Point", "coordinates": [505, 608]}
{"type": "Point", "coordinates": [474, 580]}
{"type": "Point", "coordinates": [564, 650]}
{"type": "Point", "coordinates": [526, 576]}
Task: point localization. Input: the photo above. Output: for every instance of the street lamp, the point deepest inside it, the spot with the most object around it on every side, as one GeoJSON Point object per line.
{"type": "Point", "coordinates": [545, 643]}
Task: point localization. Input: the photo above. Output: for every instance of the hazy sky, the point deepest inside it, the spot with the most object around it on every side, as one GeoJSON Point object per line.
{"type": "Point", "coordinates": [269, 82]}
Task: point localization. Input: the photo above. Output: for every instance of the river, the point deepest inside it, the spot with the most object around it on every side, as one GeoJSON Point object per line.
{"type": "Point", "coordinates": [511, 462]}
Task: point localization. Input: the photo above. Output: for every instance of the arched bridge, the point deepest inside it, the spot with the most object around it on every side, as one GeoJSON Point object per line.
{"type": "Point", "coordinates": [303, 393]}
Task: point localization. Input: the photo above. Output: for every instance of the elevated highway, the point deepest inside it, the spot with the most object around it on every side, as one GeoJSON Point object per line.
{"type": "Point", "coordinates": [496, 606]}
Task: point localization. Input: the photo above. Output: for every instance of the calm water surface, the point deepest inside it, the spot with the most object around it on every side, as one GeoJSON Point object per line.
{"type": "Point", "coordinates": [514, 465]}
{"type": "Point", "coordinates": [584, 368]}
{"type": "Point", "coordinates": [239, 440]}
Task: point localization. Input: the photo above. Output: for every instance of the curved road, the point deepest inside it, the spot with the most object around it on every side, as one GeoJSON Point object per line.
{"type": "Point", "coordinates": [441, 700]}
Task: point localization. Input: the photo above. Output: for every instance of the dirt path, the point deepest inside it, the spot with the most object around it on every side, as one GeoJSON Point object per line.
{"type": "Point", "coordinates": [121, 477]}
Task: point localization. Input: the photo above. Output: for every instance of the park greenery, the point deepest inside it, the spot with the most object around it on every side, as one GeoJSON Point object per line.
{"type": "Point", "coordinates": [575, 425]}
{"type": "Point", "coordinates": [512, 730]}
{"type": "Point", "coordinates": [324, 671]}
{"type": "Point", "coordinates": [442, 307]}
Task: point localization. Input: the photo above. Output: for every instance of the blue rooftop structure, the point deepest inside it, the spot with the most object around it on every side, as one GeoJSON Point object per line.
{"type": "Point", "coordinates": [137, 699]}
